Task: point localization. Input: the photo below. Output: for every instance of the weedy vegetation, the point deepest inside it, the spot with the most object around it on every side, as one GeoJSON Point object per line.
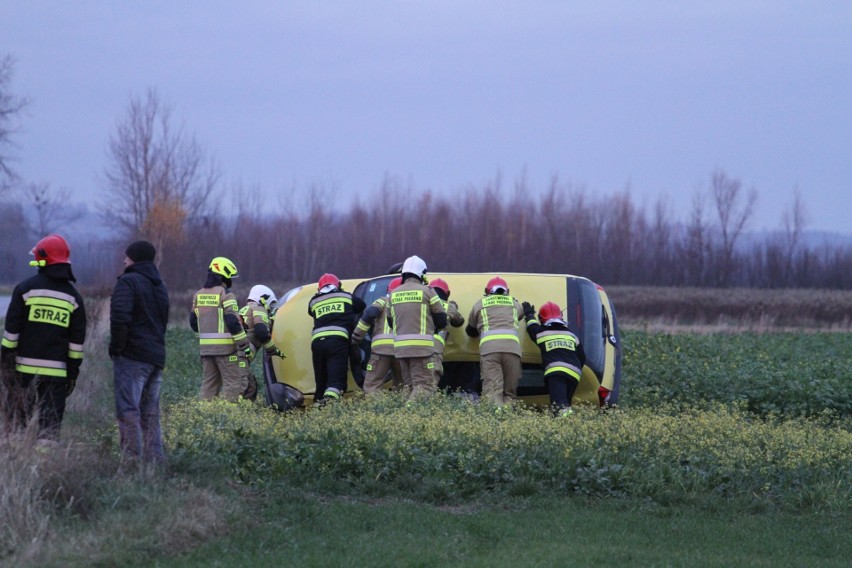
{"type": "Point", "coordinates": [727, 449]}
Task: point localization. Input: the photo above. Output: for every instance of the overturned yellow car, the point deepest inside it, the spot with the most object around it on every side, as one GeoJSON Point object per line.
{"type": "Point", "coordinates": [588, 310]}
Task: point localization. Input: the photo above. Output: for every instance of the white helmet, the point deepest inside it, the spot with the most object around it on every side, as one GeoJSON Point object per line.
{"type": "Point", "coordinates": [414, 265]}
{"type": "Point", "coordinates": [263, 295]}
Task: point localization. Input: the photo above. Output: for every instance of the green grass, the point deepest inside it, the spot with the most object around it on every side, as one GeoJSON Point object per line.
{"type": "Point", "coordinates": [787, 374]}
{"type": "Point", "coordinates": [755, 479]}
{"type": "Point", "coordinates": [317, 531]}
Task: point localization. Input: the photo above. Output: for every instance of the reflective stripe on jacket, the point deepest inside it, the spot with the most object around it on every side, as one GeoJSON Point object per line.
{"type": "Point", "coordinates": [211, 305]}
{"type": "Point", "coordinates": [46, 323]}
{"type": "Point", "coordinates": [334, 314]}
{"type": "Point", "coordinates": [561, 350]}
{"type": "Point", "coordinates": [412, 307]}
{"type": "Point", "coordinates": [496, 317]}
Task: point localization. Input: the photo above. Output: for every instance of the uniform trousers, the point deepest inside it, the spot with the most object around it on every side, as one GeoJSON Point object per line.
{"type": "Point", "coordinates": [26, 394]}
{"type": "Point", "coordinates": [377, 372]}
{"type": "Point", "coordinates": [500, 375]}
{"type": "Point", "coordinates": [223, 374]}
{"type": "Point", "coordinates": [419, 372]}
{"type": "Point", "coordinates": [331, 363]}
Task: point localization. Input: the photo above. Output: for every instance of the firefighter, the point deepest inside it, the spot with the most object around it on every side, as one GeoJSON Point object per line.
{"type": "Point", "coordinates": [42, 346]}
{"type": "Point", "coordinates": [494, 320]}
{"type": "Point", "coordinates": [256, 317]}
{"type": "Point", "coordinates": [417, 314]}
{"type": "Point", "coordinates": [381, 361]}
{"type": "Point", "coordinates": [455, 319]}
{"type": "Point", "coordinates": [223, 342]}
{"type": "Point", "coordinates": [562, 354]}
{"type": "Point", "coordinates": [334, 311]}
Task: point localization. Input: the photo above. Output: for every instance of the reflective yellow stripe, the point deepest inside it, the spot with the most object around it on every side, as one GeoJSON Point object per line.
{"type": "Point", "coordinates": [46, 371]}
{"type": "Point", "coordinates": [330, 333]}
{"type": "Point", "coordinates": [440, 338]}
{"type": "Point", "coordinates": [378, 342]}
{"type": "Point", "coordinates": [216, 342]}
{"type": "Point", "coordinates": [415, 343]}
{"type": "Point", "coordinates": [9, 344]}
{"type": "Point", "coordinates": [41, 293]}
{"type": "Point", "coordinates": [567, 370]}
{"type": "Point", "coordinates": [511, 336]}
{"type": "Point", "coordinates": [45, 367]}
{"type": "Point", "coordinates": [53, 302]}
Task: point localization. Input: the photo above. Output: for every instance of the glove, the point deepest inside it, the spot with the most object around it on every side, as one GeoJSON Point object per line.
{"type": "Point", "coordinates": [529, 310]}
{"type": "Point", "coordinates": [276, 352]}
{"type": "Point", "coordinates": [7, 359]}
{"type": "Point", "coordinates": [355, 340]}
{"type": "Point", "coordinates": [73, 371]}
{"type": "Point", "coordinates": [246, 350]}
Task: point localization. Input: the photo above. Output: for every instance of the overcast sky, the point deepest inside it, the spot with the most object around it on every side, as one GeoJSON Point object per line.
{"type": "Point", "coordinates": [651, 95]}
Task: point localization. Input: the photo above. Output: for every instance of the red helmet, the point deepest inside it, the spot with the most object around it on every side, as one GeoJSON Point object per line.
{"type": "Point", "coordinates": [441, 284]}
{"type": "Point", "coordinates": [328, 279]}
{"type": "Point", "coordinates": [495, 284]}
{"type": "Point", "coordinates": [52, 249]}
{"type": "Point", "coordinates": [549, 311]}
{"type": "Point", "coordinates": [394, 284]}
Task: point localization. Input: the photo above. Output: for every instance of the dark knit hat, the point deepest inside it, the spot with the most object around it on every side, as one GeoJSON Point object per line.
{"type": "Point", "coordinates": [140, 251]}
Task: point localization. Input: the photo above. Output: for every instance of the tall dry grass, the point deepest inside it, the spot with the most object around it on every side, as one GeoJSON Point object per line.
{"type": "Point", "coordinates": [732, 310]}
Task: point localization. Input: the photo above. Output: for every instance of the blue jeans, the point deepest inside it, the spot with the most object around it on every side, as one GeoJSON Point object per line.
{"type": "Point", "coordinates": [137, 408]}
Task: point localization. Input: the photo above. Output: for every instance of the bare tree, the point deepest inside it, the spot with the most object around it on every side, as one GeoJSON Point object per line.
{"type": "Point", "coordinates": [158, 178]}
{"type": "Point", "coordinates": [10, 107]}
{"type": "Point", "coordinates": [50, 207]}
{"type": "Point", "coordinates": [793, 222]}
{"type": "Point", "coordinates": [734, 210]}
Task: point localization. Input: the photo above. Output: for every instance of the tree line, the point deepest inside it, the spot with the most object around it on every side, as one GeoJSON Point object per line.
{"type": "Point", "coordinates": [159, 185]}
{"type": "Point", "coordinates": [606, 238]}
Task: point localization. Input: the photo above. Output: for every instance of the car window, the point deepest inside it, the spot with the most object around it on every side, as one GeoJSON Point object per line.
{"type": "Point", "coordinates": [372, 289]}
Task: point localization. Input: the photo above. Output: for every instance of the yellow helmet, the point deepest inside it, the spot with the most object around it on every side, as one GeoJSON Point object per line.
{"type": "Point", "coordinates": [224, 267]}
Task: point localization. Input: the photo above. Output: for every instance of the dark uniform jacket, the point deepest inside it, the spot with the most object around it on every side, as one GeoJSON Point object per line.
{"type": "Point", "coordinates": [334, 314]}
{"type": "Point", "coordinates": [138, 315]}
{"type": "Point", "coordinates": [561, 350]}
{"type": "Point", "coordinates": [46, 324]}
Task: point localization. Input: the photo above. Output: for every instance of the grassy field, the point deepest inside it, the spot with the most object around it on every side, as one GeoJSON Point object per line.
{"type": "Point", "coordinates": [728, 450]}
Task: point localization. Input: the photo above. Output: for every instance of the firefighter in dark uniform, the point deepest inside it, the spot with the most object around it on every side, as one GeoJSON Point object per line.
{"type": "Point", "coordinates": [42, 346]}
{"type": "Point", "coordinates": [417, 314]}
{"type": "Point", "coordinates": [562, 354]}
{"type": "Point", "coordinates": [376, 318]}
{"type": "Point", "coordinates": [335, 312]}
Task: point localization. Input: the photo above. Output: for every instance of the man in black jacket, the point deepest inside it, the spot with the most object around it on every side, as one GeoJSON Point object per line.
{"type": "Point", "coordinates": [138, 315]}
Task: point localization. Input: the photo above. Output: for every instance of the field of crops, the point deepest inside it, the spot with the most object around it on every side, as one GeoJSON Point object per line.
{"type": "Point", "coordinates": [746, 424]}
{"type": "Point", "coordinates": [742, 416]}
